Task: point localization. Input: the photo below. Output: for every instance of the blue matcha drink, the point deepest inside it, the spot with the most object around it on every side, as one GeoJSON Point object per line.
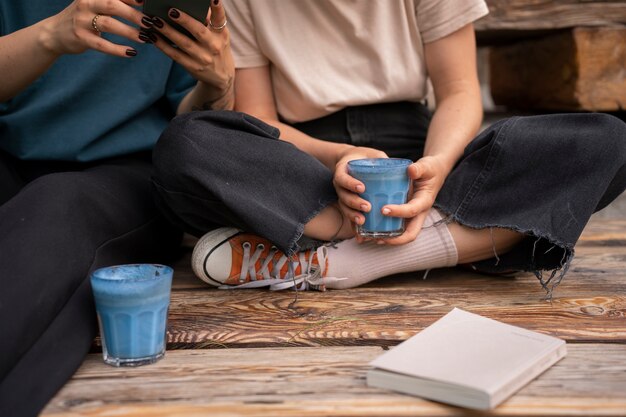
{"type": "Point", "coordinates": [386, 182]}
{"type": "Point", "coordinates": [132, 303]}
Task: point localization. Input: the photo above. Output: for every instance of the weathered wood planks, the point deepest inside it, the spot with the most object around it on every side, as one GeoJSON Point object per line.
{"type": "Point", "coordinates": [319, 381]}
{"type": "Point", "coordinates": [578, 69]}
{"type": "Point", "coordinates": [604, 233]}
{"type": "Point", "coordinates": [310, 359]}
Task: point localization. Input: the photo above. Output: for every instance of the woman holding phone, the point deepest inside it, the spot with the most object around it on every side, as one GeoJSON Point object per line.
{"type": "Point", "coordinates": [83, 99]}
{"type": "Point", "coordinates": [324, 82]}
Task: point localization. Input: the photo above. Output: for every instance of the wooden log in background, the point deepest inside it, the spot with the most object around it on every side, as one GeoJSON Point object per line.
{"type": "Point", "coordinates": [578, 69]}
{"type": "Point", "coordinates": [529, 15]}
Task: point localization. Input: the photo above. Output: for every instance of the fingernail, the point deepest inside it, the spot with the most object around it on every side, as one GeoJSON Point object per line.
{"type": "Point", "coordinates": [174, 14]}
{"type": "Point", "coordinates": [145, 38]}
{"type": "Point", "coordinates": [386, 211]}
{"type": "Point", "coordinates": [131, 52]}
{"type": "Point", "coordinates": [357, 220]}
{"type": "Point", "coordinates": [363, 207]}
{"type": "Point", "coordinates": [143, 34]}
{"type": "Point", "coordinates": [139, 1]}
{"type": "Point", "coordinates": [216, 2]}
{"type": "Point", "coordinates": [147, 22]}
{"type": "Point", "coordinates": [157, 22]}
{"type": "Point", "coordinates": [380, 242]}
{"type": "Point", "coordinates": [359, 188]}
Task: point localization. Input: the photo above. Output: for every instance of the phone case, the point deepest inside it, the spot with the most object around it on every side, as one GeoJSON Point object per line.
{"type": "Point", "coordinates": [197, 9]}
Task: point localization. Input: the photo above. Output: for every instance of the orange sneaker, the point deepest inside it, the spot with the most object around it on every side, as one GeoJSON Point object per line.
{"type": "Point", "coordinates": [230, 258]}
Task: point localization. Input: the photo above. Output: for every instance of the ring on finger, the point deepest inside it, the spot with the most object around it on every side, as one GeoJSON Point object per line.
{"type": "Point", "coordinates": [94, 24]}
{"type": "Point", "coordinates": [218, 28]}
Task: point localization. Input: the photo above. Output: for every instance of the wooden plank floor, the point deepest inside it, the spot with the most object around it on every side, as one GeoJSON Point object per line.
{"type": "Point", "coordinates": [255, 353]}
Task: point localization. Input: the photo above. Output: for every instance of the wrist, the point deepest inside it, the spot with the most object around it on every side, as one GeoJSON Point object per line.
{"type": "Point", "coordinates": [342, 150]}
{"type": "Point", "coordinates": [47, 37]}
{"type": "Point", "coordinates": [219, 88]}
{"type": "Point", "coordinates": [445, 163]}
{"type": "Point", "coordinates": [210, 97]}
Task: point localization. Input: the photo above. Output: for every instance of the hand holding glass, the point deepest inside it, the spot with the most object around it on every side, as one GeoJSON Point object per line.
{"type": "Point", "coordinates": [386, 182]}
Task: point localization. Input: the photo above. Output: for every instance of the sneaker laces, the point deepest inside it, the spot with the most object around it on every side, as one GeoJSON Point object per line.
{"type": "Point", "coordinates": [310, 278]}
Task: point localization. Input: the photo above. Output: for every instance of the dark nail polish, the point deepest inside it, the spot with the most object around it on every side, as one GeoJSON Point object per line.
{"type": "Point", "coordinates": [157, 22]}
{"type": "Point", "coordinates": [139, 1]}
{"type": "Point", "coordinates": [216, 2]}
{"type": "Point", "coordinates": [174, 14]}
{"type": "Point", "coordinates": [145, 38]}
{"type": "Point", "coordinates": [147, 34]}
{"type": "Point", "coordinates": [147, 22]}
{"type": "Point", "coordinates": [131, 52]}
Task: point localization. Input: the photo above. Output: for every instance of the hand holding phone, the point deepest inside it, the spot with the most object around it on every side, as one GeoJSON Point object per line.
{"type": "Point", "coordinates": [204, 52]}
{"type": "Point", "coordinates": [198, 9]}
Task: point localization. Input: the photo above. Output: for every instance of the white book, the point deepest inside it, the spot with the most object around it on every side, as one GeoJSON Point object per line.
{"type": "Point", "coordinates": [466, 360]}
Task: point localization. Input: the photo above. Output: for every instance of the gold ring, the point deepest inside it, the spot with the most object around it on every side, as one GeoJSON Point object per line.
{"type": "Point", "coordinates": [218, 28]}
{"type": "Point", "coordinates": [94, 23]}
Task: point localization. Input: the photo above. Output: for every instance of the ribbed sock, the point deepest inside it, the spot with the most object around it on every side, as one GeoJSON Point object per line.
{"type": "Point", "coordinates": [362, 263]}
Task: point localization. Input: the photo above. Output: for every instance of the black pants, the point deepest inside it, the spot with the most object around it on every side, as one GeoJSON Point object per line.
{"type": "Point", "coordinates": [58, 222]}
{"type": "Point", "coordinates": [542, 175]}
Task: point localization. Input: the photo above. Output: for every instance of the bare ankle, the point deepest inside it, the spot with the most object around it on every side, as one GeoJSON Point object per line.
{"type": "Point", "coordinates": [329, 224]}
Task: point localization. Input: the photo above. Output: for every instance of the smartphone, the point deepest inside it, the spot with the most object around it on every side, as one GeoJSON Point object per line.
{"type": "Point", "coordinates": [198, 9]}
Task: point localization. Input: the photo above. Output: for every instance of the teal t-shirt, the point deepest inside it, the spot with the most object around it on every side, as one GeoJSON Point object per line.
{"type": "Point", "coordinates": [90, 106]}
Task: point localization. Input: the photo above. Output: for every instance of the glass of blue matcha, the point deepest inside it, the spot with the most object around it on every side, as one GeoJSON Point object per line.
{"type": "Point", "coordinates": [132, 303]}
{"type": "Point", "coordinates": [386, 182]}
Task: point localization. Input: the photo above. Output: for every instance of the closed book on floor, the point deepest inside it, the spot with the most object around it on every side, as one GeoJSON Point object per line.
{"type": "Point", "coordinates": [467, 360]}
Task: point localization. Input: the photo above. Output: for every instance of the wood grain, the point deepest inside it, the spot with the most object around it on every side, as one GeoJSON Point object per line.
{"type": "Point", "coordinates": [579, 69]}
{"type": "Point", "coordinates": [310, 359]}
{"type": "Point", "coordinates": [590, 305]}
{"type": "Point", "coordinates": [319, 381]}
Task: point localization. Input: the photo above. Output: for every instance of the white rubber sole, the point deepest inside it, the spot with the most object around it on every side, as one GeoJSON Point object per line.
{"type": "Point", "coordinates": [203, 248]}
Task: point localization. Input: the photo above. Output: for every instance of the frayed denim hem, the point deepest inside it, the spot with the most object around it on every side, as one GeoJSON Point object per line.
{"type": "Point", "coordinates": [556, 272]}
{"type": "Point", "coordinates": [299, 242]}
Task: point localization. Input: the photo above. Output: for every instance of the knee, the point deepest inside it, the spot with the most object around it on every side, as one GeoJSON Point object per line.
{"type": "Point", "coordinates": [192, 144]}
{"type": "Point", "coordinates": [183, 141]}
{"type": "Point", "coordinates": [66, 206]}
{"type": "Point", "coordinates": [613, 130]}
{"type": "Point", "coordinates": [604, 144]}
{"type": "Point", "coordinates": [61, 191]}
{"type": "Point", "coordinates": [604, 136]}
{"type": "Point", "coordinates": [201, 144]}
{"type": "Point", "coordinates": [590, 140]}
{"type": "Point", "coordinates": [182, 147]}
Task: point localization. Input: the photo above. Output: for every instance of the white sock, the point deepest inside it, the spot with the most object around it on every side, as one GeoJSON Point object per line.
{"type": "Point", "coordinates": [362, 263]}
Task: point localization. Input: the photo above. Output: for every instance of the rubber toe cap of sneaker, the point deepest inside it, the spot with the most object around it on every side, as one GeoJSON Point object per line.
{"type": "Point", "coordinates": [212, 258]}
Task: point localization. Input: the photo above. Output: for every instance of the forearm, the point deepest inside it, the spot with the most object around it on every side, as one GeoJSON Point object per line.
{"type": "Point", "coordinates": [451, 63]}
{"type": "Point", "coordinates": [205, 97]}
{"type": "Point", "coordinates": [455, 123]}
{"type": "Point", "coordinates": [24, 56]}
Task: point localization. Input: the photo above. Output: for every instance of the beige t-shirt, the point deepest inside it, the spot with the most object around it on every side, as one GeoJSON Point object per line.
{"type": "Point", "coordinates": [329, 54]}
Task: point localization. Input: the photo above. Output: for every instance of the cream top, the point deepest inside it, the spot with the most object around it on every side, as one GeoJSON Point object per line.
{"type": "Point", "coordinates": [329, 54]}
